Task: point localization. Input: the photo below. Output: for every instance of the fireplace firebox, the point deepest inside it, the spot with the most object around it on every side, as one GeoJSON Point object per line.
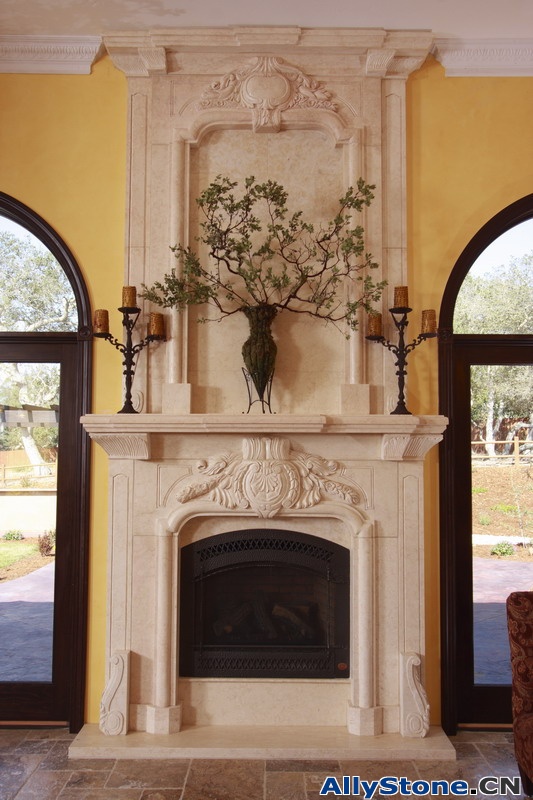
{"type": "Point", "coordinates": [264, 604]}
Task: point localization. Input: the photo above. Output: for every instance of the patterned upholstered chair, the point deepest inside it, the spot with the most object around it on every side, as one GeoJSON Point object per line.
{"type": "Point", "coordinates": [520, 625]}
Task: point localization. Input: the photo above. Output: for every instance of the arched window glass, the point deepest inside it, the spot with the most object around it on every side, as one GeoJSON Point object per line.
{"type": "Point", "coordinates": [35, 294]}
{"type": "Point", "coordinates": [496, 297]}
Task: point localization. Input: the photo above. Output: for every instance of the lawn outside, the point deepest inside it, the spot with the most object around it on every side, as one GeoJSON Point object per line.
{"type": "Point", "coordinates": [20, 557]}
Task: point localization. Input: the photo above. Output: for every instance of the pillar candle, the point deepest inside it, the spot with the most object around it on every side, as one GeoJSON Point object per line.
{"type": "Point", "coordinates": [429, 321]}
{"type": "Point", "coordinates": [401, 297]}
{"type": "Point", "coordinates": [129, 296]}
{"type": "Point", "coordinates": [156, 325]}
{"type": "Point", "coordinates": [101, 321]}
{"type": "Point", "coordinates": [374, 325]}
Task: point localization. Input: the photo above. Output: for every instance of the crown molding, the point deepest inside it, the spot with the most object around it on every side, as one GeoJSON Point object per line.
{"type": "Point", "coordinates": [485, 57]}
{"type": "Point", "coordinates": [49, 55]}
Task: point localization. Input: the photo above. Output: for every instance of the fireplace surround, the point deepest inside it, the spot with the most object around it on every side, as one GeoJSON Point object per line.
{"type": "Point", "coordinates": [354, 482]}
{"type": "Point", "coordinates": [314, 109]}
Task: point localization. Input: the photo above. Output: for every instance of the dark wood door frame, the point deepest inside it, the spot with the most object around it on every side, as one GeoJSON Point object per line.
{"type": "Point", "coordinates": [455, 351]}
{"type": "Point", "coordinates": [75, 350]}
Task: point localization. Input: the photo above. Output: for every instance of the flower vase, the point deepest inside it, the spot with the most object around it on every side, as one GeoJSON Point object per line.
{"type": "Point", "coordinates": [259, 350]}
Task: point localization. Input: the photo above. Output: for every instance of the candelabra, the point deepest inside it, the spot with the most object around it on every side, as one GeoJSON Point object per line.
{"type": "Point", "coordinates": [400, 312]}
{"type": "Point", "coordinates": [130, 314]}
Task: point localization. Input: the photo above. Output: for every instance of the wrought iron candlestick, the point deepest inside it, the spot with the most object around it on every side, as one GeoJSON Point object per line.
{"type": "Point", "coordinates": [130, 314]}
{"type": "Point", "coordinates": [400, 312]}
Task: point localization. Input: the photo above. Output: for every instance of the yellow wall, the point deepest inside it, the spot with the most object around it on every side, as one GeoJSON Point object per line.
{"type": "Point", "coordinates": [63, 153]}
{"type": "Point", "coordinates": [469, 156]}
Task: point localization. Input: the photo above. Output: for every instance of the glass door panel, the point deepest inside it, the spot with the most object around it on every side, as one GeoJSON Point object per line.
{"type": "Point", "coordinates": [29, 449]}
{"type": "Point", "coordinates": [502, 508]}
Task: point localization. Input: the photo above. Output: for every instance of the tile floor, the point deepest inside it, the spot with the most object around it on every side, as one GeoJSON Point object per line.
{"type": "Point", "coordinates": [34, 765]}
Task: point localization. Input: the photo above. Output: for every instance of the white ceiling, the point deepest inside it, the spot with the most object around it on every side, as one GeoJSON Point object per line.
{"type": "Point", "coordinates": [458, 19]}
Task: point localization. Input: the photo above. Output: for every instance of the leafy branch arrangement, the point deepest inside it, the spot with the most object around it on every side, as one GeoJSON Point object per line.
{"type": "Point", "coordinates": [263, 260]}
{"type": "Point", "coordinates": [293, 267]}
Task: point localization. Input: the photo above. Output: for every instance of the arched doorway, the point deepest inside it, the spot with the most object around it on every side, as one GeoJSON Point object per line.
{"type": "Point", "coordinates": [45, 358]}
{"type": "Point", "coordinates": [484, 351]}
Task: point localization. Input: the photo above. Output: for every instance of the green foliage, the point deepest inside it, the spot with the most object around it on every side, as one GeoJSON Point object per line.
{"type": "Point", "coordinates": [259, 253]}
{"type": "Point", "coordinates": [479, 490]}
{"type": "Point", "coordinates": [499, 301]}
{"type": "Point", "coordinates": [505, 508]}
{"type": "Point", "coordinates": [13, 536]}
{"type": "Point", "coordinates": [484, 520]}
{"type": "Point", "coordinates": [502, 549]}
{"type": "Point", "coordinates": [35, 294]}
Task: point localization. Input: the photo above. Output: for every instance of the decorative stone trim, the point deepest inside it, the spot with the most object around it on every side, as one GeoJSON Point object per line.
{"type": "Point", "coordinates": [114, 703]}
{"type": "Point", "coordinates": [403, 447]}
{"type": "Point", "coordinates": [414, 704]}
{"type": "Point", "coordinates": [268, 478]}
{"type": "Point", "coordinates": [49, 55]}
{"type": "Point", "coordinates": [124, 445]}
{"type": "Point", "coordinates": [268, 86]}
{"type": "Point", "coordinates": [485, 57]}
{"type": "Point", "coordinates": [381, 52]}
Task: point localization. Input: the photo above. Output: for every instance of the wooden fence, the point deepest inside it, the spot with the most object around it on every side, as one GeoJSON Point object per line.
{"type": "Point", "coordinates": [514, 455]}
{"type": "Point", "coordinates": [29, 476]}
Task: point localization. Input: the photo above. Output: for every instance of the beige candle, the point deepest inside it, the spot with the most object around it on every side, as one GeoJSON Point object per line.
{"type": "Point", "coordinates": [129, 296]}
{"type": "Point", "coordinates": [101, 321]}
{"type": "Point", "coordinates": [401, 297]}
{"type": "Point", "coordinates": [429, 321]}
{"type": "Point", "coordinates": [374, 325]}
{"type": "Point", "coordinates": [156, 325]}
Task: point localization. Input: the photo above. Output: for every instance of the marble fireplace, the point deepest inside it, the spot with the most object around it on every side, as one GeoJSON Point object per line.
{"type": "Point", "coordinates": [314, 109]}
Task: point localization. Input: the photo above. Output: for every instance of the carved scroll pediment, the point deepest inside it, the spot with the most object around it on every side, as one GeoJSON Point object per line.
{"type": "Point", "coordinates": [268, 86]}
{"type": "Point", "coordinates": [268, 477]}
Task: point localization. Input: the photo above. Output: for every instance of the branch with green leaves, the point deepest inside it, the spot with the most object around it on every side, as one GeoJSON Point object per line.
{"type": "Point", "coordinates": [259, 253]}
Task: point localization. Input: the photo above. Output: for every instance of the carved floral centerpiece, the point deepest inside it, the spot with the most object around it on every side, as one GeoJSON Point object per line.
{"type": "Point", "coordinates": [262, 260]}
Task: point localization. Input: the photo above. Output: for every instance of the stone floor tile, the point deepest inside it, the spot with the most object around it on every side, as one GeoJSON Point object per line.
{"type": "Point", "coordinates": [14, 772]}
{"type": "Point", "coordinates": [500, 756]}
{"type": "Point", "coordinates": [301, 765]}
{"type": "Point", "coordinates": [11, 737]}
{"type": "Point", "coordinates": [313, 781]}
{"type": "Point", "coordinates": [92, 764]}
{"type": "Point", "coordinates": [467, 751]}
{"type": "Point", "coordinates": [71, 793]}
{"type": "Point", "coordinates": [374, 770]}
{"type": "Point", "coordinates": [56, 758]}
{"type": "Point", "coordinates": [481, 736]}
{"type": "Point", "coordinates": [34, 746]}
{"type": "Point", "coordinates": [442, 770]}
{"type": "Point", "coordinates": [162, 794]}
{"type": "Point", "coordinates": [86, 779]}
{"type": "Point", "coordinates": [148, 774]}
{"type": "Point", "coordinates": [221, 779]}
{"type": "Point", "coordinates": [43, 785]}
{"type": "Point", "coordinates": [51, 733]}
{"type": "Point", "coordinates": [285, 786]}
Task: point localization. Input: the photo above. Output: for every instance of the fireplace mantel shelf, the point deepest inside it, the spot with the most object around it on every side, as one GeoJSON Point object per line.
{"type": "Point", "coordinates": [401, 437]}
{"type": "Point", "coordinates": [264, 424]}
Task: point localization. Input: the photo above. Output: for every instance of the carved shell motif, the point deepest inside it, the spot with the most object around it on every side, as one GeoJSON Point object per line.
{"type": "Point", "coordinates": [267, 86]}
{"type": "Point", "coordinates": [268, 477]}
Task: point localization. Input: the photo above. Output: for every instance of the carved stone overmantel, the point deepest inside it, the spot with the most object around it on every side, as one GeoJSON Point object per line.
{"type": "Point", "coordinates": [314, 109]}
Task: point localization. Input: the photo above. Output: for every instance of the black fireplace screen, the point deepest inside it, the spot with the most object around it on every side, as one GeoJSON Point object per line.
{"type": "Point", "coordinates": [264, 604]}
